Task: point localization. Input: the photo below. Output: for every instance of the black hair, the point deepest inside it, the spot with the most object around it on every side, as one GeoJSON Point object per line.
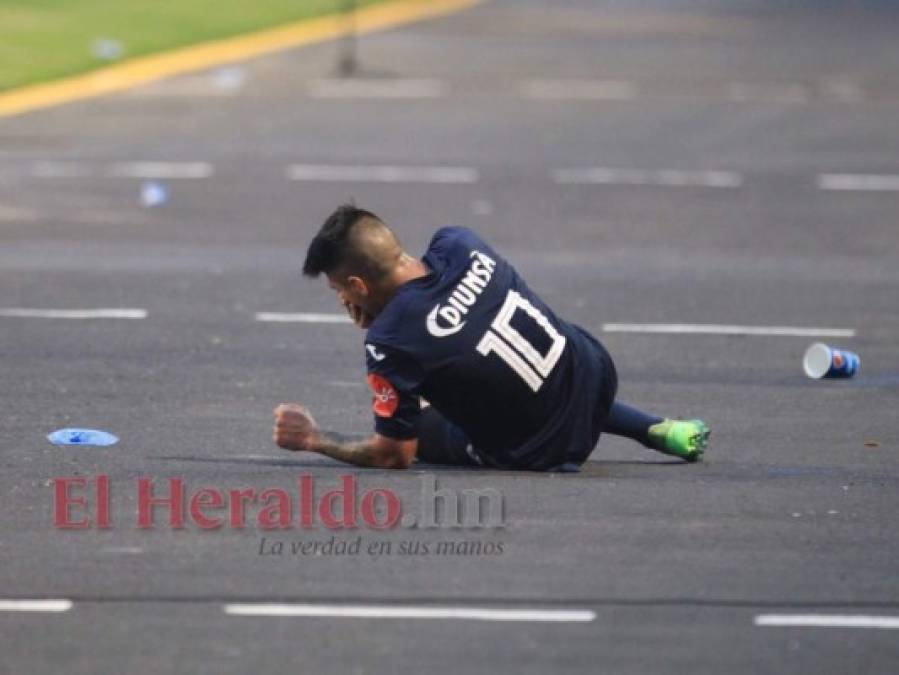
{"type": "Point", "coordinates": [331, 248]}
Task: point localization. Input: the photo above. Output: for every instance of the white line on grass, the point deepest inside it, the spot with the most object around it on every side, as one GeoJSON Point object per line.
{"type": "Point", "coordinates": [713, 329]}
{"type": "Point", "coordinates": [330, 173]}
{"type": "Point", "coordinates": [828, 621]}
{"type": "Point", "coordinates": [35, 605]}
{"type": "Point", "coordinates": [586, 90]}
{"type": "Point", "coordinates": [301, 317]}
{"type": "Point", "coordinates": [406, 88]}
{"type": "Point", "coordinates": [859, 182]}
{"type": "Point", "coordinates": [412, 612]}
{"type": "Point", "coordinates": [170, 170]}
{"type": "Point", "coordinates": [663, 177]}
{"type": "Point", "coordinates": [74, 313]}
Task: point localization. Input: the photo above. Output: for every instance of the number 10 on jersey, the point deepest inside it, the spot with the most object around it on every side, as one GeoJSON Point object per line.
{"type": "Point", "coordinates": [515, 350]}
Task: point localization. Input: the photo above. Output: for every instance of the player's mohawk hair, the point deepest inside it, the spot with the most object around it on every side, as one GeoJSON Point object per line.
{"type": "Point", "coordinates": [329, 247]}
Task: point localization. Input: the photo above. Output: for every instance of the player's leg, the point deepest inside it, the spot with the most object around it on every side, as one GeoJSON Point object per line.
{"type": "Point", "coordinates": [627, 421]}
{"type": "Point", "coordinates": [442, 442]}
{"type": "Point", "coordinates": [682, 438]}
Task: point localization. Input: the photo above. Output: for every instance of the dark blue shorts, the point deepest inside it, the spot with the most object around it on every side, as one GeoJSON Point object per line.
{"type": "Point", "coordinates": [442, 442]}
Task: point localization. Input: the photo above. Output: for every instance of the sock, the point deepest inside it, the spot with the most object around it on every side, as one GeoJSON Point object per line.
{"type": "Point", "coordinates": [623, 420]}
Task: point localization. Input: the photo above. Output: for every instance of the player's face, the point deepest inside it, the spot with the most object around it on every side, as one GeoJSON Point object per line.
{"type": "Point", "coordinates": [353, 292]}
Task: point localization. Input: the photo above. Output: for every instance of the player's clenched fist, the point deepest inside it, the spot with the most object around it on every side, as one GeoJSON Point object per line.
{"type": "Point", "coordinates": [295, 428]}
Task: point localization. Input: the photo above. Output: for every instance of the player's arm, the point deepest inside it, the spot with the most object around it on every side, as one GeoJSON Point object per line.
{"type": "Point", "coordinates": [296, 429]}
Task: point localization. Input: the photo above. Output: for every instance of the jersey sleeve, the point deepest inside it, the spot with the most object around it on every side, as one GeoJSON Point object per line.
{"type": "Point", "coordinates": [393, 379]}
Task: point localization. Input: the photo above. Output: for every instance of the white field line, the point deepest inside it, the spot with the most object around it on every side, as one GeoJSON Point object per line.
{"type": "Point", "coordinates": [845, 91]}
{"type": "Point", "coordinates": [585, 90]}
{"type": "Point", "coordinates": [138, 169]}
{"type": "Point", "coordinates": [169, 170]}
{"type": "Point", "coordinates": [714, 329]}
{"type": "Point", "coordinates": [383, 174]}
{"type": "Point", "coordinates": [412, 612]}
{"type": "Point", "coordinates": [61, 169]}
{"type": "Point", "coordinates": [828, 621]}
{"type": "Point", "coordinates": [662, 177]}
{"type": "Point", "coordinates": [302, 317]}
{"type": "Point", "coordinates": [859, 182]}
{"type": "Point", "coordinates": [407, 88]}
{"type": "Point", "coordinates": [74, 313]}
{"type": "Point", "coordinates": [778, 93]}
{"type": "Point", "coordinates": [14, 214]}
{"type": "Point", "coordinates": [35, 605]}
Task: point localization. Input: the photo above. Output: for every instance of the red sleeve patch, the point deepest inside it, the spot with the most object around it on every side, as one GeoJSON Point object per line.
{"type": "Point", "coordinates": [384, 400]}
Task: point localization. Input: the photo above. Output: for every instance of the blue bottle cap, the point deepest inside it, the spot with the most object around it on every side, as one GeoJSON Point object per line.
{"type": "Point", "coordinates": [82, 437]}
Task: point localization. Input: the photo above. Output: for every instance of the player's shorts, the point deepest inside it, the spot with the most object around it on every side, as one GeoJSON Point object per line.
{"type": "Point", "coordinates": [442, 442]}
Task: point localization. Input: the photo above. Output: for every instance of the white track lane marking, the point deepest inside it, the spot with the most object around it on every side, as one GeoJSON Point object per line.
{"type": "Point", "coordinates": [669, 328]}
{"type": "Point", "coordinates": [715, 329]}
{"type": "Point", "coordinates": [663, 177]}
{"type": "Point", "coordinates": [586, 90]}
{"type": "Point", "coordinates": [406, 88]}
{"type": "Point", "coordinates": [383, 174]}
{"type": "Point", "coordinates": [412, 612]}
{"type": "Point", "coordinates": [142, 169]}
{"type": "Point", "coordinates": [23, 312]}
{"type": "Point", "coordinates": [35, 605]}
{"type": "Point", "coordinates": [125, 550]}
{"type": "Point", "coordinates": [301, 317]}
{"type": "Point", "coordinates": [778, 93]}
{"type": "Point", "coordinates": [14, 214]}
{"type": "Point", "coordinates": [170, 170]}
{"type": "Point", "coordinates": [61, 169]}
{"type": "Point", "coordinates": [845, 91]}
{"type": "Point", "coordinates": [828, 621]}
{"type": "Point", "coordinates": [859, 182]}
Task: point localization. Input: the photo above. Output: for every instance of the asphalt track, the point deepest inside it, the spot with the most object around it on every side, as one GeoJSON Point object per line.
{"type": "Point", "coordinates": [794, 511]}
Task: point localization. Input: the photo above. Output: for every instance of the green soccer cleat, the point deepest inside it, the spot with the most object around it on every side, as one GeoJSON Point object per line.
{"type": "Point", "coordinates": [686, 439]}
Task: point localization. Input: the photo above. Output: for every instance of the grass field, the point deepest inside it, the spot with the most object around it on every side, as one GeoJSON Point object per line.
{"type": "Point", "coordinates": [47, 39]}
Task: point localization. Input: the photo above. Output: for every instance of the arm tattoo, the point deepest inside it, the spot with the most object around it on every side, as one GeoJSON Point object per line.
{"type": "Point", "coordinates": [351, 449]}
{"type": "Point", "coordinates": [339, 437]}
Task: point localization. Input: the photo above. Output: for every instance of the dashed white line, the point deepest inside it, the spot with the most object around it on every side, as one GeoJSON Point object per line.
{"type": "Point", "coordinates": [35, 605]}
{"type": "Point", "coordinates": [406, 88]}
{"type": "Point", "coordinates": [778, 93]}
{"type": "Point", "coordinates": [662, 177]}
{"type": "Point", "coordinates": [383, 174]}
{"type": "Point", "coordinates": [842, 90]}
{"type": "Point", "coordinates": [828, 621]}
{"type": "Point", "coordinates": [24, 312]}
{"type": "Point", "coordinates": [61, 169]}
{"type": "Point", "coordinates": [170, 170]}
{"type": "Point", "coordinates": [859, 182]}
{"type": "Point", "coordinates": [301, 317]}
{"type": "Point", "coordinates": [14, 214]}
{"type": "Point", "coordinates": [665, 328]}
{"type": "Point", "coordinates": [715, 329]}
{"type": "Point", "coordinates": [588, 90]}
{"type": "Point", "coordinates": [125, 550]}
{"type": "Point", "coordinates": [141, 169]}
{"type": "Point", "coordinates": [412, 612]}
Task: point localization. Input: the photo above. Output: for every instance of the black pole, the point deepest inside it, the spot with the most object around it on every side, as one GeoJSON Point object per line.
{"type": "Point", "coordinates": [347, 63]}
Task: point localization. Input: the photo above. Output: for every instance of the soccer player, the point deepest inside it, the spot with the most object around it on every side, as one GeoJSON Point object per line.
{"type": "Point", "coordinates": [509, 384]}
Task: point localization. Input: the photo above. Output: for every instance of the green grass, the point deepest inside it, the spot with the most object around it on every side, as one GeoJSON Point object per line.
{"type": "Point", "coordinates": [43, 40]}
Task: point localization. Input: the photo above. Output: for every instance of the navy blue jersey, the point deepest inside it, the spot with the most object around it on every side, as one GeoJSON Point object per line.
{"type": "Point", "coordinates": [470, 337]}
